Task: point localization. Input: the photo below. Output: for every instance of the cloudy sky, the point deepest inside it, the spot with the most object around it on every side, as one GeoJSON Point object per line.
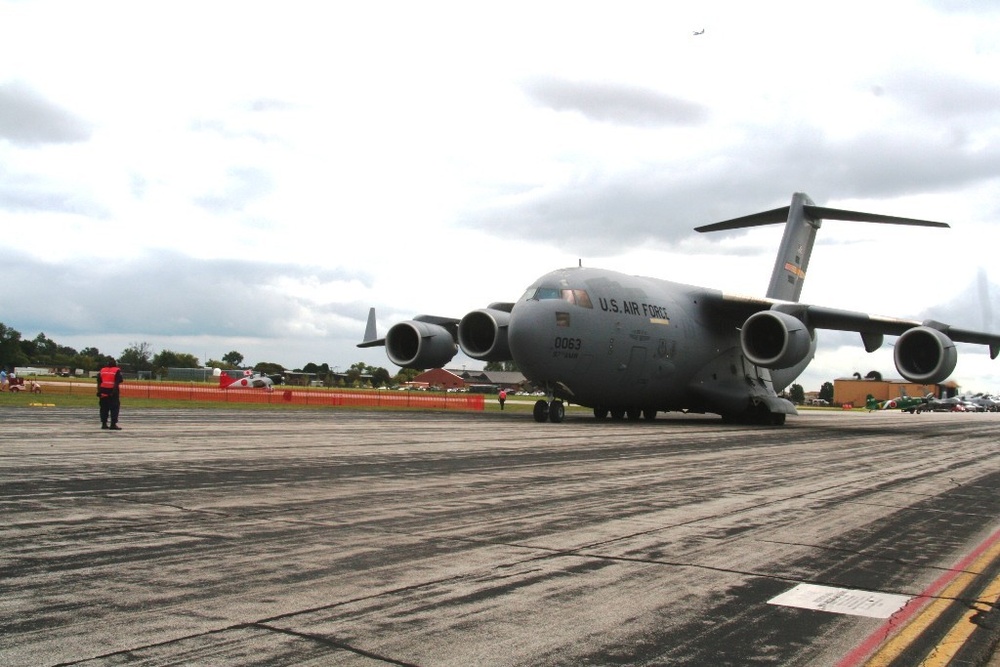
{"type": "Point", "coordinates": [249, 176]}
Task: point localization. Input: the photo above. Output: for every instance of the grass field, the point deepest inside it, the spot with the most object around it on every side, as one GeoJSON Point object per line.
{"type": "Point", "coordinates": [66, 393]}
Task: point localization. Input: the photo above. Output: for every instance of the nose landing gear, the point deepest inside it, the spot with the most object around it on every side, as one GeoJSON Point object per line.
{"type": "Point", "coordinates": [553, 411]}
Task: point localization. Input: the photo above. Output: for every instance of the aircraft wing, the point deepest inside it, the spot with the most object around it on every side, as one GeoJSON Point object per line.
{"type": "Point", "coordinates": [871, 327]}
{"type": "Point", "coordinates": [372, 340]}
{"type": "Point", "coordinates": [431, 341]}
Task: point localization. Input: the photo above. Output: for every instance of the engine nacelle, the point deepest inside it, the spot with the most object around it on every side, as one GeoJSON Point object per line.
{"type": "Point", "coordinates": [414, 344]}
{"type": "Point", "coordinates": [772, 339]}
{"type": "Point", "coordinates": [483, 335]}
{"type": "Point", "coordinates": [925, 356]}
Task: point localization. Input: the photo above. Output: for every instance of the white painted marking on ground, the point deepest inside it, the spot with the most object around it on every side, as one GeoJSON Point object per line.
{"type": "Point", "coordinates": [842, 601]}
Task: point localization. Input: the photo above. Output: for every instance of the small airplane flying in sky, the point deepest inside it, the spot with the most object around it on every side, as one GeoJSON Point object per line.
{"type": "Point", "coordinates": [250, 380]}
{"type": "Point", "coordinates": [699, 32]}
{"type": "Point", "coordinates": [631, 346]}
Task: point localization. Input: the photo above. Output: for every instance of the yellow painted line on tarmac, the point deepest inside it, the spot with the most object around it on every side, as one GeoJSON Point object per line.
{"type": "Point", "coordinates": [960, 632]}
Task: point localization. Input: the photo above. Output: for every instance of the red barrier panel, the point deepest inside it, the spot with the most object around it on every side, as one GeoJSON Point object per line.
{"type": "Point", "coordinates": [178, 391]}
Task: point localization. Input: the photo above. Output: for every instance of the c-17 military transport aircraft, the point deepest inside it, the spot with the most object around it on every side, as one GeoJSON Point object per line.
{"type": "Point", "coordinates": [631, 346]}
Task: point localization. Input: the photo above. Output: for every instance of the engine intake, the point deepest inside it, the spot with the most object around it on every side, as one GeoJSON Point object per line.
{"type": "Point", "coordinates": [414, 344]}
{"type": "Point", "coordinates": [925, 355]}
{"type": "Point", "coordinates": [772, 339]}
{"type": "Point", "coordinates": [482, 335]}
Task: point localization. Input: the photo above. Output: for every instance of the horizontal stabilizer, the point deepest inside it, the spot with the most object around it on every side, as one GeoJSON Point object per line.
{"type": "Point", "coordinates": [754, 220]}
{"type": "Point", "coordinates": [813, 213]}
{"type": "Point", "coordinates": [857, 216]}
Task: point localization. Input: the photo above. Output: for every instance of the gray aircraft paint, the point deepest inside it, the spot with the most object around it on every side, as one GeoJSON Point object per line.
{"type": "Point", "coordinates": [634, 345]}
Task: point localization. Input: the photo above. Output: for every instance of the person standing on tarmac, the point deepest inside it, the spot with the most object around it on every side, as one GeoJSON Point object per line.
{"type": "Point", "coordinates": [502, 397]}
{"type": "Point", "coordinates": [108, 382]}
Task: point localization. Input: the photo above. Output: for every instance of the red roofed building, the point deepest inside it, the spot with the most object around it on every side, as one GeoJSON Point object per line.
{"type": "Point", "coordinates": [439, 378]}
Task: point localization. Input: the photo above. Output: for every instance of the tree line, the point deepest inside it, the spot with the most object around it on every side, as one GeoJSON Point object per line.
{"type": "Point", "coordinates": [797, 395]}
{"type": "Point", "coordinates": [44, 352]}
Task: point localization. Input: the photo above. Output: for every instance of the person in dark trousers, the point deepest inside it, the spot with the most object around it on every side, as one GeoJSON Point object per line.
{"type": "Point", "coordinates": [108, 382]}
{"type": "Point", "coordinates": [502, 397]}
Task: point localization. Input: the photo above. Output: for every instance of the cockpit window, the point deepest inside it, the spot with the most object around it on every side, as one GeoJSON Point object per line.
{"type": "Point", "coordinates": [544, 293]}
{"type": "Point", "coordinates": [578, 297]}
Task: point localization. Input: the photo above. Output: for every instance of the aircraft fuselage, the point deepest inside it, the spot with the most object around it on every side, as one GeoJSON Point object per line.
{"type": "Point", "coordinates": [608, 340]}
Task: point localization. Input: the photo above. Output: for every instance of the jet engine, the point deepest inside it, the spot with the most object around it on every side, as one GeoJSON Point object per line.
{"type": "Point", "coordinates": [925, 355]}
{"type": "Point", "coordinates": [772, 339]}
{"type": "Point", "coordinates": [414, 344]}
{"type": "Point", "coordinates": [483, 335]}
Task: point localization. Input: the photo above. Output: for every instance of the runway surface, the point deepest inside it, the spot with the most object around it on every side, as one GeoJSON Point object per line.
{"type": "Point", "coordinates": [328, 537]}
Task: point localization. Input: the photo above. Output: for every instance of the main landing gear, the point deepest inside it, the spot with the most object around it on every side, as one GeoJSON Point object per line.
{"type": "Point", "coordinates": [546, 411]}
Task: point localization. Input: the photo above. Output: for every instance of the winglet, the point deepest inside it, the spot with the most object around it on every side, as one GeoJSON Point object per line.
{"type": "Point", "coordinates": [371, 336]}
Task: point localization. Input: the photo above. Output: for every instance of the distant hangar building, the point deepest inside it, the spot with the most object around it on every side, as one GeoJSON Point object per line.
{"type": "Point", "coordinates": [855, 390]}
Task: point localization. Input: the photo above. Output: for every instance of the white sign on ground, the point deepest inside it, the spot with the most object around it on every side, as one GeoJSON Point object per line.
{"type": "Point", "coordinates": [842, 600]}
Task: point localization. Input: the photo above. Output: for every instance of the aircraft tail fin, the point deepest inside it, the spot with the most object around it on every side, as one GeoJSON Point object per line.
{"type": "Point", "coordinates": [225, 379]}
{"type": "Point", "coordinates": [802, 220]}
{"type": "Point", "coordinates": [790, 264]}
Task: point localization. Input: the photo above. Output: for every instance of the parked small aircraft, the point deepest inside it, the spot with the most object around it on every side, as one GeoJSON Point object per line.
{"type": "Point", "coordinates": [250, 380]}
{"type": "Point", "coordinates": [631, 346]}
{"type": "Point", "coordinates": [952, 404]}
{"type": "Point", "coordinates": [909, 404]}
{"type": "Point", "coordinates": [985, 401]}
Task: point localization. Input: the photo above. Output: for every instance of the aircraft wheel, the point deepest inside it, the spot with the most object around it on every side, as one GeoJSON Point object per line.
{"type": "Point", "coordinates": [601, 413]}
{"type": "Point", "coordinates": [541, 411]}
{"type": "Point", "coordinates": [778, 418]}
{"type": "Point", "coordinates": [618, 414]}
{"type": "Point", "coordinates": [633, 414]}
{"type": "Point", "coordinates": [557, 412]}
{"type": "Point", "coordinates": [649, 414]}
{"type": "Point", "coordinates": [760, 415]}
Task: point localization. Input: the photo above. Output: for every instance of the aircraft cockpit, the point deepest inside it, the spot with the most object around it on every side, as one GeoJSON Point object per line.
{"type": "Point", "coordinates": [577, 297]}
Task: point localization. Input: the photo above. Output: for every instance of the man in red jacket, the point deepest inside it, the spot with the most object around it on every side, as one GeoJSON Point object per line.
{"type": "Point", "coordinates": [108, 381]}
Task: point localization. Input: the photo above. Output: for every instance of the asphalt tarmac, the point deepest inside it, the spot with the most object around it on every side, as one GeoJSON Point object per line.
{"type": "Point", "coordinates": [335, 537]}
